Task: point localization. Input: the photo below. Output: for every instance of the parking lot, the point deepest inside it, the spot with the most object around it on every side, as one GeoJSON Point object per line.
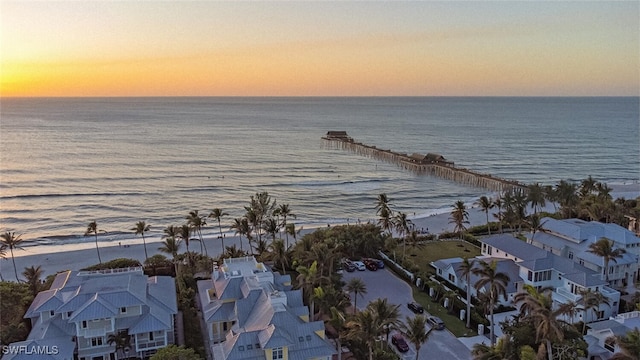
{"type": "Point", "coordinates": [385, 284]}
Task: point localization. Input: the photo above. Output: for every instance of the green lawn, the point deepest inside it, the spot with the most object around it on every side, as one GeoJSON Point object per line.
{"type": "Point", "coordinates": [436, 250]}
{"type": "Point", "coordinates": [452, 322]}
{"type": "Point", "coordinates": [433, 251]}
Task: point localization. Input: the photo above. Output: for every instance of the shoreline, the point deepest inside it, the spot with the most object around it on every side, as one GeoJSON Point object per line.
{"type": "Point", "coordinates": [75, 256]}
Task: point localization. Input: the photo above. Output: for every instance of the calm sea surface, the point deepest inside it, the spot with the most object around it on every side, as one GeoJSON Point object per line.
{"type": "Point", "coordinates": [66, 162]}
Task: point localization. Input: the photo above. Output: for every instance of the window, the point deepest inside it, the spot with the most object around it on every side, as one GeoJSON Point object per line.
{"type": "Point", "coordinates": [151, 335]}
{"type": "Point", "coordinates": [489, 250]}
{"type": "Point", "coordinates": [452, 278]}
{"type": "Point", "coordinates": [570, 256]}
{"type": "Point", "coordinates": [84, 324]}
{"type": "Point", "coordinates": [51, 313]}
{"type": "Point", "coordinates": [69, 313]}
{"type": "Point", "coordinates": [257, 345]}
{"type": "Point", "coordinates": [123, 310]}
{"type": "Point", "coordinates": [96, 341]}
{"type": "Point", "coordinates": [249, 347]}
{"type": "Point", "coordinates": [277, 353]}
{"type": "Point", "coordinates": [529, 275]}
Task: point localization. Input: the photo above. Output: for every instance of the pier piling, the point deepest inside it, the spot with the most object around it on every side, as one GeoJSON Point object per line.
{"type": "Point", "coordinates": [429, 164]}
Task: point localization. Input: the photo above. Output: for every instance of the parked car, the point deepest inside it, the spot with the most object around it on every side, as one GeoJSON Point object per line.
{"type": "Point", "coordinates": [350, 267]}
{"type": "Point", "coordinates": [400, 343]}
{"type": "Point", "coordinates": [415, 307]}
{"type": "Point", "coordinates": [436, 322]}
{"type": "Point", "coordinates": [379, 262]}
{"type": "Point", "coordinates": [359, 265]}
{"type": "Point", "coordinates": [371, 265]}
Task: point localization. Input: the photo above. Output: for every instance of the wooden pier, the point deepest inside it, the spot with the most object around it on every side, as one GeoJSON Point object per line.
{"type": "Point", "coordinates": [429, 164]}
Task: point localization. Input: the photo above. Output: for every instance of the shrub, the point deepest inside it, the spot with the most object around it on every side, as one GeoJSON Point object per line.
{"type": "Point", "coordinates": [120, 263]}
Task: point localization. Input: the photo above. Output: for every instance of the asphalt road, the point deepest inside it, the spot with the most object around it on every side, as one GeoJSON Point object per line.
{"type": "Point", "coordinates": [385, 284]}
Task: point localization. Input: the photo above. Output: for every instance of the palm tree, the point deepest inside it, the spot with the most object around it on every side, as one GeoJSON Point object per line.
{"type": "Point", "coordinates": [567, 197]}
{"type": "Point", "coordinates": [261, 207]}
{"type": "Point", "coordinates": [12, 241]}
{"type": "Point", "coordinates": [140, 228]}
{"type": "Point", "coordinates": [385, 221]}
{"type": "Point", "coordinates": [308, 280]}
{"type": "Point", "coordinates": [402, 225]}
{"type": "Point", "coordinates": [587, 187]}
{"type": "Point", "coordinates": [170, 246]}
{"type": "Point", "coordinates": [364, 327]}
{"type": "Point", "coordinates": [285, 211]}
{"type": "Point", "coordinates": [279, 254]}
{"type": "Point", "coordinates": [357, 287]}
{"type": "Point", "coordinates": [291, 230]}
{"type": "Point", "coordinates": [217, 214]}
{"type": "Point", "coordinates": [416, 331]}
{"type": "Point", "coordinates": [121, 340]}
{"type": "Point", "coordinates": [498, 204]}
{"type": "Point", "coordinates": [604, 248]}
{"type": "Point", "coordinates": [271, 227]}
{"type": "Point", "coordinates": [496, 282]}
{"type": "Point", "coordinates": [535, 196]}
{"type": "Point", "coordinates": [459, 217]}
{"type": "Point", "coordinates": [629, 346]}
{"type": "Point", "coordinates": [387, 314]}
{"type": "Point", "coordinates": [184, 233]}
{"type": "Point", "coordinates": [592, 301]}
{"type": "Point", "coordinates": [535, 224]}
{"type": "Point", "coordinates": [195, 221]}
{"type": "Point", "coordinates": [466, 269]}
{"type": "Point", "coordinates": [241, 227]}
{"type": "Point", "coordinates": [538, 305]}
{"type": "Point", "coordinates": [3, 255]}
{"type": "Point", "coordinates": [485, 204]}
{"type": "Point", "coordinates": [338, 322]}
{"type": "Point", "coordinates": [33, 275]}
{"type": "Point", "coordinates": [92, 228]}
{"type": "Point", "coordinates": [382, 204]}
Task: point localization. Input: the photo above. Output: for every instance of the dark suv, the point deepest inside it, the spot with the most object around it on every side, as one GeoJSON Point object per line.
{"type": "Point", "coordinates": [415, 307]}
{"type": "Point", "coordinates": [400, 343]}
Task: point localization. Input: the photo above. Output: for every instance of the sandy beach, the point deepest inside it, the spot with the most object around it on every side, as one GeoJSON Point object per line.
{"type": "Point", "coordinates": [78, 256]}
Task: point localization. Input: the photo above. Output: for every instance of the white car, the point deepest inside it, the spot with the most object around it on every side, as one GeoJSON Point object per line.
{"type": "Point", "coordinates": [360, 265]}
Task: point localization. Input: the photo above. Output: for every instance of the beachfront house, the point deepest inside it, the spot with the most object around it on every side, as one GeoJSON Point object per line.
{"type": "Point", "coordinates": [529, 265]}
{"type": "Point", "coordinates": [600, 334]}
{"type": "Point", "coordinates": [571, 238]}
{"type": "Point", "coordinates": [251, 312]}
{"type": "Point", "coordinates": [83, 310]}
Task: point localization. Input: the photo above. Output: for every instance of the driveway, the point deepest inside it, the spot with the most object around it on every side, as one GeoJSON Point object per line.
{"type": "Point", "coordinates": [385, 284]}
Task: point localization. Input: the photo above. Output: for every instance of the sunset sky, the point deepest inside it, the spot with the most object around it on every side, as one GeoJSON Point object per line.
{"type": "Point", "coordinates": [388, 48]}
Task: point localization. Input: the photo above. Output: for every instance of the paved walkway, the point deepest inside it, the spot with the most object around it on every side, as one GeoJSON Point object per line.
{"type": "Point", "coordinates": [385, 284]}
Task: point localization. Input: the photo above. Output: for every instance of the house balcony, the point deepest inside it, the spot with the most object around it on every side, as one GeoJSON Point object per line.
{"type": "Point", "coordinates": [563, 295]}
{"type": "Point", "coordinates": [609, 292]}
{"type": "Point", "coordinates": [150, 345]}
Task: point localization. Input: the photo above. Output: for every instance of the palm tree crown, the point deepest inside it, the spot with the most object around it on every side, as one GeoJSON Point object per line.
{"type": "Point", "coordinates": [140, 228]}
{"type": "Point", "coordinates": [92, 228]}
{"type": "Point", "coordinates": [494, 283]}
{"type": "Point", "coordinates": [604, 248]}
{"type": "Point", "coordinates": [12, 241]}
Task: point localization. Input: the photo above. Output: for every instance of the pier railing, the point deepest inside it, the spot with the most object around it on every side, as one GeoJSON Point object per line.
{"type": "Point", "coordinates": [429, 164]}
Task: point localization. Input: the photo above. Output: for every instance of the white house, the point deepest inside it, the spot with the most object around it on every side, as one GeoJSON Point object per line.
{"type": "Point", "coordinates": [571, 238]}
{"type": "Point", "coordinates": [81, 310]}
{"type": "Point", "coordinates": [600, 334]}
{"type": "Point", "coordinates": [252, 313]}
{"type": "Point", "coordinates": [526, 264]}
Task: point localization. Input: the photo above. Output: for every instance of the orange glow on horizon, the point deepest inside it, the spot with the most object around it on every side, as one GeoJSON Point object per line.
{"type": "Point", "coordinates": [593, 56]}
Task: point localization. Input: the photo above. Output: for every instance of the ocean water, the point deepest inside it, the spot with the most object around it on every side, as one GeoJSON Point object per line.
{"type": "Point", "coordinates": [65, 162]}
